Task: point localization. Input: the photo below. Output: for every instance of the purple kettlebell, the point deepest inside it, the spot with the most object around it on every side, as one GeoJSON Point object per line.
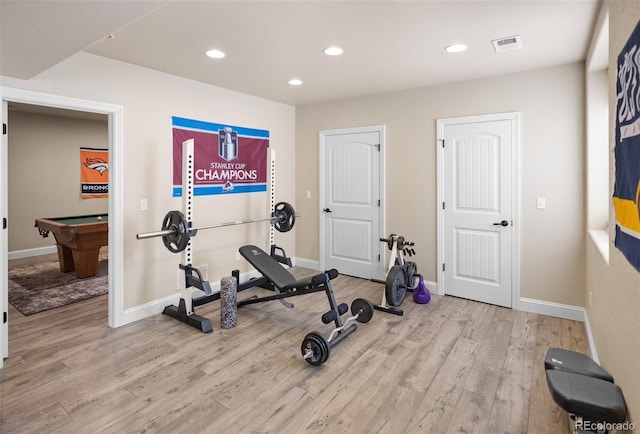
{"type": "Point", "coordinates": [421, 294]}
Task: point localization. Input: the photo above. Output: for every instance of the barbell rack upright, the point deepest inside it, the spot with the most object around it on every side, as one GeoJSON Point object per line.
{"type": "Point", "coordinates": [184, 311]}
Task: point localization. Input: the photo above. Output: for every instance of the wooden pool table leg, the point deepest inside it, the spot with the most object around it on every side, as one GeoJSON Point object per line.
{"type": "Point", "coordinates": [86, 262]}
{"type": "Point", "coordinates": [65, 256]}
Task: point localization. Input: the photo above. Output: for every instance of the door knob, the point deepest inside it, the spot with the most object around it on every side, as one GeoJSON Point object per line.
{"type": "Point", "coordinates": [502, 223]}
{"type": "Point", "coordinates": [327, 210]}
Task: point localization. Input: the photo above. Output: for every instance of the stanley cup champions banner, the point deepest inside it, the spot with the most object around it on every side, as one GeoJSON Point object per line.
{"type": "Point", "coordinates": [227, 159]}
{"type": "Point", "coordinates": [626, 192]}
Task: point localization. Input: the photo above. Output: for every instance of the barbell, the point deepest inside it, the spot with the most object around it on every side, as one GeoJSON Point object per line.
{"type": "Point", "coordinates": [316, 348]}
{"type": "Point", "coordinates": [176, 231]}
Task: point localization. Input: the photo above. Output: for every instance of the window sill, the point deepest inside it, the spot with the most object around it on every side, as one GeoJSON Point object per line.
{"type": "Point", "coordinates": [601, 240]}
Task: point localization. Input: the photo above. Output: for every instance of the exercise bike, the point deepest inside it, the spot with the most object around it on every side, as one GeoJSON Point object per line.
{"type": "Point", "coordinates": [401, 274]}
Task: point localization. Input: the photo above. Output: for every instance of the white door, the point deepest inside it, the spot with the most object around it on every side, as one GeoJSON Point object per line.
{"type": "Point", "coordinates": [478, 207]}
{"type": "Point", "coordinates": [350, 201]}
{"type": "Point", "coordinates": [4, 243]}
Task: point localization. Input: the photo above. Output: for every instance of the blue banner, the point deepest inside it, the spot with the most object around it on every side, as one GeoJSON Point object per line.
{"type": "Point", "coordinates": [626, 192]}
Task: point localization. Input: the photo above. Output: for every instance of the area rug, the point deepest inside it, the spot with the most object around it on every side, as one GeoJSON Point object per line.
{"type": "Point", "coordinates": [39, 287]}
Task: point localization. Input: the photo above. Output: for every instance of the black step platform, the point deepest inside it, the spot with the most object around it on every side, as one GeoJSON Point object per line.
{"type": "Point", "coordinates": [577, 363]}
{"type": "Point", "coordinates": [591, 398]}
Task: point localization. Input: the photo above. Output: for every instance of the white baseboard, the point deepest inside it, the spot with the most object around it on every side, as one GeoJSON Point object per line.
{"type": "Point", "coordinates": [148, 309]}
{"type": "Point", "coordinates": [27, 253]}
{"type": "Point", "coordinates": [549, 308]}
{"type": "Point", "coordinates": [306, 263]}
{"type": "Point", "coordinates": [156, 307]}
{"type": "Point", "coordinates": [431, 286]}
{"type": "Point", "coordinates": [315, 265]}
{"type": "Point", "coordinates": [564, 311]}
{"type": "Point", "coordinates": [592, 343]}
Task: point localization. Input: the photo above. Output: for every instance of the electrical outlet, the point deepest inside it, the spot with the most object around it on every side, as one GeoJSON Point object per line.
{"type": "Point", "coordinates": [541, 202]}
{"type": "Point", "coordinates": [143, 205]}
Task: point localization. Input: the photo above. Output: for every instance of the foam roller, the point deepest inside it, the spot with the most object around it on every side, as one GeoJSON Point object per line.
{"type": "Point", "coordinates": [228, 306]}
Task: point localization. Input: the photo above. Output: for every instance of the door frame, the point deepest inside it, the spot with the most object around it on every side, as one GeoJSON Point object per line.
{"type": "Point", "coordinates": [4, 237]}
{"type": "Point", "coordinates": [514, 118]}
{"type": "Point", "coordinates": [381, 129]}
{"type": "Point", "coordinates": [116, 313]}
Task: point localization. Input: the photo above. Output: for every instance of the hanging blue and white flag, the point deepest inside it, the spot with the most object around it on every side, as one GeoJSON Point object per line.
{"type": "Point", "coordinates": [626, 192]}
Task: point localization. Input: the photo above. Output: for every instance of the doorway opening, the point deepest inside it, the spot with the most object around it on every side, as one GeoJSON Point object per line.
{"type": "Point", "coordinates": [113, 114]}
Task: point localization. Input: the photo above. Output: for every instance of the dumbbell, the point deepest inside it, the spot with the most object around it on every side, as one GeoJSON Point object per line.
{"type": "Point", "coordinates": [316, 349]}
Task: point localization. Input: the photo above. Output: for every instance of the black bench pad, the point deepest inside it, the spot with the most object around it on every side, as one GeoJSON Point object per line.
{"type": "Point", "coordinates": [593, 399]}
{"type": "Point", "coordinates": [270, 268]}
{"type": "Point", "coordinates": [267, 266]}
{"type": "Point", "coordinates": [571, 361]}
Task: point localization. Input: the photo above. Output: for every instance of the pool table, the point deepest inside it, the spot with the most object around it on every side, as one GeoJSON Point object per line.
{"type": "Point", "coordinates": [78, 240]}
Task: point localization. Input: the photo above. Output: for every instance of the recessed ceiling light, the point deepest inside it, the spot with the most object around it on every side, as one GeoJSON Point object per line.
{"type": "Point", "coordinates": [295, 82]}
{"type": "Point", "coordinates": [333, 51]}
{"type": "Point", "coordinates": [215, 54]}
{"type": "Point", "coordinates": [455, 48]}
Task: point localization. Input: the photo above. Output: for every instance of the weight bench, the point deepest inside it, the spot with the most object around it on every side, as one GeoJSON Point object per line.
{"type": "Point", "coordinates": [286, 285]}
{"type": "Point", "coordinates": [585, 390]}
{"type": "Point", "coordinates": [578, 363]}
{"type": "Point", "coordinates": [272, 270]}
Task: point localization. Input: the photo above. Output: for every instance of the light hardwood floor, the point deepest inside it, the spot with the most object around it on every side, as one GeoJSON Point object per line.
{"type": "Point", "coordinates": [450, 366]}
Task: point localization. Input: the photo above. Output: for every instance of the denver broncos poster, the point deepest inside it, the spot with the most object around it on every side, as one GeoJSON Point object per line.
{"type": "Point", "coordinates": [626, 191]}
{"type": "Point", "coordinates": [94, 173]}
{"type": "Point", "coordinates": [227, 159]}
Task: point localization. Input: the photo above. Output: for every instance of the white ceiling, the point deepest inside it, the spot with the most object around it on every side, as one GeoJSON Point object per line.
{"type": "Point", "coordinates": [389, 45]}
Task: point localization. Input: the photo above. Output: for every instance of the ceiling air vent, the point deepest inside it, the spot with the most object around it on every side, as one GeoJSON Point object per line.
{"type": "Point", "coordinates": [507, 44]}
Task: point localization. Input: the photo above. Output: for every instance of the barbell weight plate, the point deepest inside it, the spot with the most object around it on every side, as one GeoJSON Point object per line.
{"type": "Point", "coordinates": [284, 217]}
{"type": "Point", "coordinates": [396, 285]}
{"type": "Point", "coordinates": [412, 270]}
{"type": "Point", "coordinates": [326, 346]}
{"type": "Point", "coordinates": [317, 346]}
{"type": "Point", "coordinates": [311, 352]}
{"type": "Point", "coordinates": [178, 239]}
{"type": "Point", "coordinates": [364, 308]}
{"type": "Point", "coordinates": [390, 240]}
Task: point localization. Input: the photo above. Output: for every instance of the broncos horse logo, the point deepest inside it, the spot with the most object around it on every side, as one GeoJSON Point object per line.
{"type": "Point", "coordinates": [97, 164]}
